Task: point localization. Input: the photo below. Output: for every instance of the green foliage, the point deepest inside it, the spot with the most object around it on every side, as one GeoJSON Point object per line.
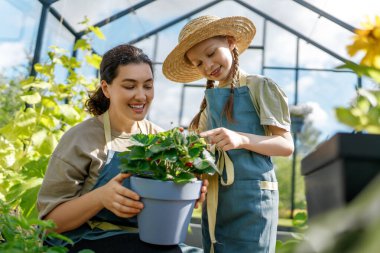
{"type": "Point", "coordinates": [361, 70]}
{"type": "Point", "coordinates": [283, 167]}
{"type": "Point", "coordinates": [363, 114]}
{"type": "Point", "coordinates": [169, 155]}
{"type": "Point", "coordinates": [19, 234]}
{"type": "Point", "coordinates": [46, 109]}
{"type": "Point", "coordinates": [289, 246]}
{"type": "Point", "coordinates": [9, 102]}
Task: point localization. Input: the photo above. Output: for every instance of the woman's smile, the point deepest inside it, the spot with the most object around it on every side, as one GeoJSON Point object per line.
{"type": "Point", "coordinates": [137, 108]}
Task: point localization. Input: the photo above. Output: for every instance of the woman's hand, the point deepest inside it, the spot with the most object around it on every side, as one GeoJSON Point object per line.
{"type": "Point", "coordinates": [203, 193]}
{"type": "Point", "coordinates": [118, 199]}
{"type": "Point", "coordinates": [224, 138]}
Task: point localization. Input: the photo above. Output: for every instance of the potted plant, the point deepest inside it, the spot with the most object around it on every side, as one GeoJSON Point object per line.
{"type": "Point", "coordinates": [342, 166]}
{"type": "Point", "coordinates": [165, 168]}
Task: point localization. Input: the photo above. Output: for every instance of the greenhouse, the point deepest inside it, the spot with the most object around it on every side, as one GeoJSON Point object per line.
{"type": "Point", "coordinates": [321, 57]}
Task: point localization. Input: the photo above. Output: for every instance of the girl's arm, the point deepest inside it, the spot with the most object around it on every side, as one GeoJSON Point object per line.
{"type": "Point", "coordinates": [113, 196]}
{"type": "Point", "coordinates": [280, 143]}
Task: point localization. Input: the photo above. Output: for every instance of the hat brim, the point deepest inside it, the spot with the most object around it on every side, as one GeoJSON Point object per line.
{"type": "Point", "coordinates": [178, 69]}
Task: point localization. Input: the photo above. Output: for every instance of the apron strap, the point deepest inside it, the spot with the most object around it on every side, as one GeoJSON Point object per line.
{"type": "Point", "coordinates": [107, 129]}
{"type": "Point", "coordinates": [213, 189]}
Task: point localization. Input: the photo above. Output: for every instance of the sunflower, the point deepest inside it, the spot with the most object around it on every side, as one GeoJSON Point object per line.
{"type": "Point", "coordinates": [367, 40]}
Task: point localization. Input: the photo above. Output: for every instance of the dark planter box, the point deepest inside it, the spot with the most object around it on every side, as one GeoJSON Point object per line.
{"type": "Point", "coordinates": [339, 169]}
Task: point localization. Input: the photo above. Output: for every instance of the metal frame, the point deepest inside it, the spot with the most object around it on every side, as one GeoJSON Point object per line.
{"type": "Point", "coordinates": [46, 8]}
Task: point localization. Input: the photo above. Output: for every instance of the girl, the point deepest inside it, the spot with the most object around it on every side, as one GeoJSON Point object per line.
{"type": "Point", "coordinates": [246, 117]}
{"type": "Point", "coordinates": [83, 191]}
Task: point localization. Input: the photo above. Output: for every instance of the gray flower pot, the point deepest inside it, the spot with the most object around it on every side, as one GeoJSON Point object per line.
{"type": "Point", "coordinates": [168, 207]}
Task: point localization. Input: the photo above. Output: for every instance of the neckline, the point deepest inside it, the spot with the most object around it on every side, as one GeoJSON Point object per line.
{"type": "Point", "coordinates": [108, 131]}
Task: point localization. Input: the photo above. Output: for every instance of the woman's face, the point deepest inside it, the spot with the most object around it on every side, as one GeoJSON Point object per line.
{"type": "Point", "coordinates": [213, 58]}
{"type": "Point", "coordinates": [131, 92]}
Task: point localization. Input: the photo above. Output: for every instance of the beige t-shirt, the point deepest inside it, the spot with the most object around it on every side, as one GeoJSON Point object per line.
{"type": "Point", "coordinates": [75, 163]}
{"type": "Point", "coordinates": [270, 102]}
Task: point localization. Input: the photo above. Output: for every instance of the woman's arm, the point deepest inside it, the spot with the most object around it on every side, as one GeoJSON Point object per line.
{"type": "Point", "coordinates": [280, 143]}
{"type": "Point", "coordinates": [114, 196]}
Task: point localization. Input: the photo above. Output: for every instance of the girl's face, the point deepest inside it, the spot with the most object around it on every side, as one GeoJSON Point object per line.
{"type": "Point", "coordinates": [213, 58]}
{"type": "Point", "coordinates": [131, 92]}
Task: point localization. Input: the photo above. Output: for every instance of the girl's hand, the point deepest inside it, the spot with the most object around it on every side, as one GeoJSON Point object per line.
{"type": "Point", "coordinates": [118, 199]}
{"type": "Point", "coordinates": [203, 193]}
{"type": "Point", "coordinates": [224, 138]}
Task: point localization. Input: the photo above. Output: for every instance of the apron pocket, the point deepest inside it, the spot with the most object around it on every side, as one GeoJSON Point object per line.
{"type": "Point", "coordinates": [240, 214]}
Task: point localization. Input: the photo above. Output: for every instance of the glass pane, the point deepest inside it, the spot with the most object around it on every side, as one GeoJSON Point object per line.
{"type": "Point", "coordinates": [320, 90]}
{"type": "Point", "coordinates": [280, 47]}
{"type": "Point", "coordinates": [351, 12]}
{"type": "Point", "coordinates": [18, 25]}
{"type": "Point", "coordinates": [250, 61]}
{"type": "Point", "coordinates": [95, 10]}
{"type": "Point", "coordinates": [312, 57]}
{"type": "Point", "coordinates": [165, 108]}
{"type": "Point", "coordinates": [307, 23]}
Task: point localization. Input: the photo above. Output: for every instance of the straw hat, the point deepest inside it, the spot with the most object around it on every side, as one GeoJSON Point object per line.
{"type": "Point", "coordinates": [177, 68]}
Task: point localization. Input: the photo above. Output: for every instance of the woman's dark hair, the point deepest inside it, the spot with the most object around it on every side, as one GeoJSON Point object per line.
{"type": "Point", "coordinates": [120, 55]}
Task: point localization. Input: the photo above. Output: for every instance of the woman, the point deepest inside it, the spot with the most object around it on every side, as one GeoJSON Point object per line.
{"type": "Point", "coordinates": [83, 191]}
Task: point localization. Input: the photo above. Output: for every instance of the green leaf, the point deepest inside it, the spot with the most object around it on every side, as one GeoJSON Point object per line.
{"type": "Point", "coordinates": [143, 139]}
{"type": "Point", "coordinates": [345, 116]}
{"type": "Point", "coordinates": [47, 70]}
{"type": "Point", "coordinates": [94, 60]}
{"type": "Point", "coordinates": [82, 44]}
{"type": "Point", "coordinates": [60, 237]}
{"type": "Point", "coordinates": [38, 85]}
{"type": "Point", "coordinates": [137, 153]}
{"type": "Point", "coordinates": [29, 200]}
{"type": "Point", "coordinates": [69, 62]}
{"type": "Point", "coordinates": [71, 116]}
{"type": "Point", "coordinates": [300, 219]}
{"type": "Point", "coordinates": [7, 153]}
{"type": "Point", "coordinates": [371, 97]}
{"type": "Point", "coordinates": [45, 142]}
{"type": "Point", "coordinates": [184, 177]}
{"type": "Point", "coordinates": [39, 137]}
{"type": "Point", "coordinates": [48, 121]}
{"type": "Point", "coordinates": [58, 50]}
{"type": "Point", "coordinates": [170, 155]}
{"type": "Point", "coordinates": [97, 32]}
{"type": "Point", "coordinates": [157, 148]}
{"type": "Point", "coordinates": [362, 70]}
{"type": "Point", "coordinates": [35, 168]}
{"type": "Point", "coordinates": [31, 98]}
{"type": "Point", "coordinates": [85, 21]}
{"type": "Point", "coordinates": [194, 151]}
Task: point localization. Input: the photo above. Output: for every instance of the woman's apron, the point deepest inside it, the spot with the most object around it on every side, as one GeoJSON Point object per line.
{"type": "Point", "coordinates": [104, 223]}
{"type": "Point", "coordinates": [247, 206]}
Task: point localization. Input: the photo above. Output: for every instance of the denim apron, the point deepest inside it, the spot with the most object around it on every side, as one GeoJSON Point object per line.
{"type": "Point", "coordinates": [96, 228]}
{"type": "Point", "coordinates": [247, 208]}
